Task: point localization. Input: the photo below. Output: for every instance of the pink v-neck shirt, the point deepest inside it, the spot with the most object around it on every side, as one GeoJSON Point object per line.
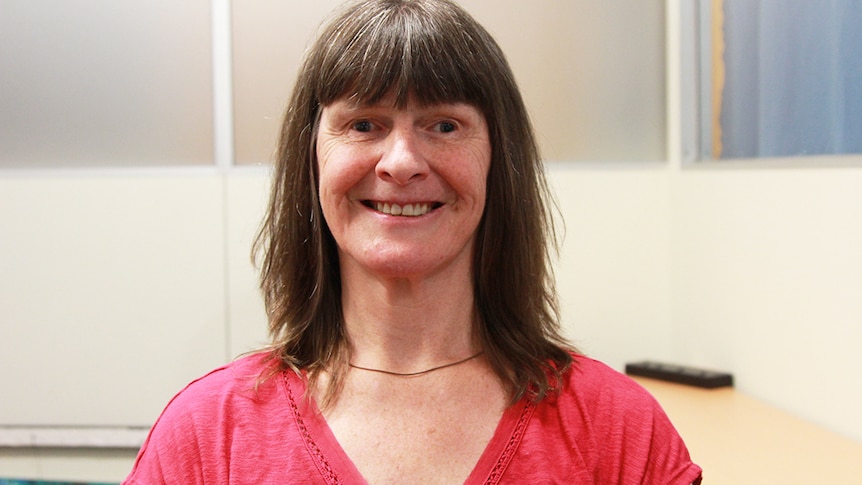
{"type": "Point", "coordinates": [603, 428]}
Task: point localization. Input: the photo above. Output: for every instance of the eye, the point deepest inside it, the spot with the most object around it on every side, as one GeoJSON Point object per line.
{"type": "Point", "coordinates": [363, 126]}
{"type": "Point", "coordinates": [446, 127]}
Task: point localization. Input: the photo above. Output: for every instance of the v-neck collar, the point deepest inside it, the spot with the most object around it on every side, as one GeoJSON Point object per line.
{"type": "Point", "coordinates": [336, 467]}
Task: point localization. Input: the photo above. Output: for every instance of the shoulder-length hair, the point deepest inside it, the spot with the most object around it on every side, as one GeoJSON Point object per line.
{"type": "Point", "coordinates": [430, 51]}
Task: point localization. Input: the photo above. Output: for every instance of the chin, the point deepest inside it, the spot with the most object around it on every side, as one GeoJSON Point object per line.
{"type": "Point", "coordinates": [401, 268]}
{"type": "Point", "coordinates": [411, 264]}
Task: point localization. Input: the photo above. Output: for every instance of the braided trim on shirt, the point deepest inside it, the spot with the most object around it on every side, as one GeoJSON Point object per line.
{"type": "Point", "coordinates": [512, 446]}
{"type": "Point", "coordinates": [316, 454]}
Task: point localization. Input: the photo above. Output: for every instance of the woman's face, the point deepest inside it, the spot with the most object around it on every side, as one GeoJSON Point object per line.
{"type": "Point", "coordinates": [403, 189]}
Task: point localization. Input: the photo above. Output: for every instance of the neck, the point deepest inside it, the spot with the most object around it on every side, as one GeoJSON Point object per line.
{"type": "Point", "coordinates": [402, 325]}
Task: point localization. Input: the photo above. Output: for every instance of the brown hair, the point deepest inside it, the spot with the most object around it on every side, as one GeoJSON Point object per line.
{"type": "Point", "coordinates": [435, 52]}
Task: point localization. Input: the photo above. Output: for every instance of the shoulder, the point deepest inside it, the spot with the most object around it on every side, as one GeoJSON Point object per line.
{"type": "Point", "coordinates": [227, 409]}
{"type": "Point", "coordinates": [595, 383]}
{"type": "Point", "coordinates": [223, 395]}
{"type": "Point", "coordinates": [616, 426]}
{"type": "Point", "coordinates": [601, 399]}
{"type": "Point", "coordinates": [595, 399]}
{"type": "Point", "coordinates": [237, 378]}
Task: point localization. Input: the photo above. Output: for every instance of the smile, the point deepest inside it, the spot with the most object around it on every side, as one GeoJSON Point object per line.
{"type": "Point", "coordinates": [407, 210]}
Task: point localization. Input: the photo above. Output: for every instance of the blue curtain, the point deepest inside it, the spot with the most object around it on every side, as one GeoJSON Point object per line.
{"type": "Point", "coordinates": [793, 82]}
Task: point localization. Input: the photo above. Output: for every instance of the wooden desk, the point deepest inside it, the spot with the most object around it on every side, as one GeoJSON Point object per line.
{"type": "Point", "coordinates": [739, 440]}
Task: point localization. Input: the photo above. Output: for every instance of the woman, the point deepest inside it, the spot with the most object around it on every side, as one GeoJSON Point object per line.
{"type": "Point", "coordinates": [406, 275]}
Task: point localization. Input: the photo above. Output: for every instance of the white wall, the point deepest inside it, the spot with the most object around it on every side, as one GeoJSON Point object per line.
{"type": "Point", "coordinates": [612, 273]}
{"type": "Point", "coordinates": [767, 268]}
{"type": "Point", "coordinates": [755, 270]}
{"type": "Point", "coordinates": [750, 268]}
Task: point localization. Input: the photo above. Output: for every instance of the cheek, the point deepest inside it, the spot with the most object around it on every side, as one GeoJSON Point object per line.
{"type": "Point", "coordinates": [341, 171]}
{"type": "Point", "coordinates": [330, 168]}
{"type": "Point", "coordinates": [474, 180]}
{"type": "Point", "coordinates": [338, 179]}
{"type": "Point", "coordinates": [327, 183]}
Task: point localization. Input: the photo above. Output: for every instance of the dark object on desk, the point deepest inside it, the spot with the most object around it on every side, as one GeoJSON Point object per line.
{"type": "Point", "coordinates": [690, 376]}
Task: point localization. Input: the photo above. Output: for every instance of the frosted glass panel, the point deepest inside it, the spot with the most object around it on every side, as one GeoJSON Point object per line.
{"type": "Point", "coordinates": [592, 72]}
{"type": "Point", "coordinates": [105, 83]}
{"type": "Point", "coordinates": [269, 38]}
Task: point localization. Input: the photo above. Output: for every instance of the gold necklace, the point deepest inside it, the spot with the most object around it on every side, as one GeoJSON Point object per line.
{"type": "Point", "coordinates": [414, 374]}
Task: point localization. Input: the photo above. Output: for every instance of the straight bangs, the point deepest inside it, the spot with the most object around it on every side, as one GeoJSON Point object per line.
{"type": "Point", "coordinates": [405, 50]}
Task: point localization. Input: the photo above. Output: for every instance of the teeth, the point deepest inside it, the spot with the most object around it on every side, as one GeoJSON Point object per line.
{"type": "Point", "coordinates": [409, 210]}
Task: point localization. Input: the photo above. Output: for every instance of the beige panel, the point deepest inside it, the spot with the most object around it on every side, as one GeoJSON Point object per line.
{"type": "Point", "coordinates": [112, 295]}
{"type": "Point", "coordinates": [247, 195]}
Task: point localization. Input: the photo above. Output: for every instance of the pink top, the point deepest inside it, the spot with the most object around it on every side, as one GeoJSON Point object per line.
{"type": "Point", "coordinates": [602, 429]}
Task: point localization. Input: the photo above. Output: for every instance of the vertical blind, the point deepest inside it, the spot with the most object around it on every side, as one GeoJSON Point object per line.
{"type": "Point", "coordinates": [786, 78]}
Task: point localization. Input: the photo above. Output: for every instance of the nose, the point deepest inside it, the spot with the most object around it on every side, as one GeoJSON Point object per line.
{"type": "Point", "coordinates": [402, 161]}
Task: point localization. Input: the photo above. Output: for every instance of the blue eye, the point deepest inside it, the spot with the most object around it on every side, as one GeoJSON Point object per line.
{"type": "Point", "coordinates": [363, 126]}
{"type": "Point", "coordinates": [446, 127]}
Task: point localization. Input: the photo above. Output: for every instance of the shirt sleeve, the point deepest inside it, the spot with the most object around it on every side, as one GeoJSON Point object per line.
{"type": "Point", "coordinates": [171, 453]}
{"type": "Point", "coordinates": [186, 445]}
{"type": "Point", "coordinates": [642, 446]}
